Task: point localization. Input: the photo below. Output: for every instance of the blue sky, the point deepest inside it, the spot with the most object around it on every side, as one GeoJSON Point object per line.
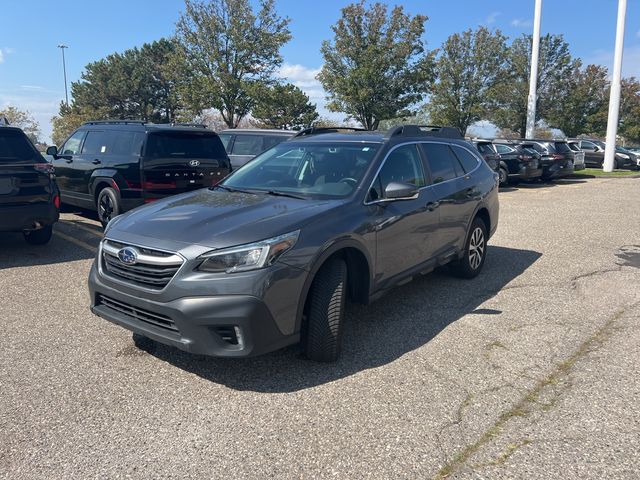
{"type": "Point", "coordinates": [31, 68]}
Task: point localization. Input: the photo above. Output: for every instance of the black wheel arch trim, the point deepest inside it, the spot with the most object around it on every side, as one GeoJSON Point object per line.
{"type": "Point", "coordinates": [327, 251]}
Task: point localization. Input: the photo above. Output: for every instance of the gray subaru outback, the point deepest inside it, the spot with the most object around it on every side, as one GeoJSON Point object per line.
{"type": "Point", "coordinates": [268, 257]}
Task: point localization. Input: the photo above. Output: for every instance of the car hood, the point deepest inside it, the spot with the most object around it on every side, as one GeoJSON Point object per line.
{"type": "Point", "coordinates": [215, 219]}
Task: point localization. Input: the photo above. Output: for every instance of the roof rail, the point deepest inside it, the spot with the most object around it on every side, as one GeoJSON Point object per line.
{"type": "Point", "coordinates": [4, 122]}
{"type": "Point", "coordinates": [319, 130]}
{"type": "Point", "coordinates": [184, 124]}
{"type": "Point", "coordinates": [115, 122]}
{"type": "Point", "coordinates": [424, 130]}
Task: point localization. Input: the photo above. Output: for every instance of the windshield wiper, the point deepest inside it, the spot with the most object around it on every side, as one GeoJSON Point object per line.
{"type": "Point", "coordinates": [284, 194]}
{"type": "Point", "coordinates": [229, 189]}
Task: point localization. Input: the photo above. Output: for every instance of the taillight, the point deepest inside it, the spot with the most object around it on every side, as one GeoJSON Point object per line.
{"type": "Point", "coordinates": [149, 200]}
{"type": "Point", "coordinates": [153, 185]}
{"type": "Point", "coordinates": [56, 201]}
{"type": "Point", "coordinates": [557, 156]}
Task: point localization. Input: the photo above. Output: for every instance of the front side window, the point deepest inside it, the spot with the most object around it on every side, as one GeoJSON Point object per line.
{"type": "Point", "coordinates": [310, 169]}
{"type": "Point", "coordinates": [442, 163]}
{"type": "Point", "coordinates": [72, 145]}
{"type": "Point", "coordinates": [585, 145]}
{"type": "Point", "coordinates": [402, 165]}
{"type": "Point", "coordinates": [95, 143]}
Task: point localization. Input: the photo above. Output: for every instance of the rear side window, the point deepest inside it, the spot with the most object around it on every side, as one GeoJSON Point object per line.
{"type": "Point", "coordinates": [15, 147]}
{"type": "Point", "coordinates": [72, 145]}
{"type": "Point", "coordinates": [504, 149]}
{"type": "Point", "coordinates": [271, 140]}
{"type": "Point", "coordinates": [184, 145]}
{"type": "Point", "coordinates": [248, 145]}
{"type": "Point", "coordinates": [225, 138]}
{"type": "Point", "coordinates": [95, 143]}
{"type": "Point", "coordinates": [486, 148]}
{"type": "Point", "coordinates": [467, 159]}
{"type": "Point", "coordinates": [124, 143]}
{"type": "Point", "coordinates": [442, 162]}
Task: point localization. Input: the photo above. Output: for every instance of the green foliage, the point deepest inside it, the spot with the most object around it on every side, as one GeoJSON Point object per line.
{"type": "Point", "coordinates": [23, 120]}
{"type": "Point", "coordinates": [226, 49]}
{"type": "Point", "coordinates": [630, 109]}
{"type": "Point", "coordinates": [580, 109]}
{"type": "Point", "coordinates": [470, 66]}
{"type": "Point", "coordinates": [376, 66]}
{"type": "Point", "coordinates": [70, 118]}
{"type": "Point", "coordinates": [556, 66]}
{"type": "Point", "coordinates": [283, 106]}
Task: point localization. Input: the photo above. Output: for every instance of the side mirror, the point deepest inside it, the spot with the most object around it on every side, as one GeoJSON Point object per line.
{"type": "Point", "coordinates": [400, 191]}
{"type": "Point", "coordinates": [52, 150]}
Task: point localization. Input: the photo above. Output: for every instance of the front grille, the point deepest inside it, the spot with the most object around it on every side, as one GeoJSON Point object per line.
{"type": "Point", "coordinates": [136, 313]}
{"type": "Point", "coordinates": [152, 269]}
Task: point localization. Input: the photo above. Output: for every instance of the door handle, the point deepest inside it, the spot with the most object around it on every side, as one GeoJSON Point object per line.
{"type": "Point", "coordinates": [96, 162]}
{"type": "Point", "coordinates": [431, 206]}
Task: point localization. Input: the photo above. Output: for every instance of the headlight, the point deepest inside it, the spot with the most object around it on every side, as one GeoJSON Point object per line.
{"type": "Point", "coordinates": [248, 257]}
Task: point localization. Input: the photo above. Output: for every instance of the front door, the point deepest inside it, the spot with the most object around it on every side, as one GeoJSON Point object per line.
{"type": "Point", "coordinates": [65, 163]}
{"type": "Point", "coordinates": [406, 230]}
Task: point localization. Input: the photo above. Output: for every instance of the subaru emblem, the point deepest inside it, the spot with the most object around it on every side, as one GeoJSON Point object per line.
{"type": "Point", "coordinates": [128, 255]}
{"type": "Point", "coordinates": [194, 163]}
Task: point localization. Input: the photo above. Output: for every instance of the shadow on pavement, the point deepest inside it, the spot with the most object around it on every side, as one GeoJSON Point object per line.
{"type": "Point", "coordinates": [405, 319]}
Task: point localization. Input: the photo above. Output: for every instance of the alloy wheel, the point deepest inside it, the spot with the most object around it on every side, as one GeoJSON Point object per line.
{"type": "Point", "coordinates": [106, 208]}
{"type": "Point", "coordinates": [476, 248]}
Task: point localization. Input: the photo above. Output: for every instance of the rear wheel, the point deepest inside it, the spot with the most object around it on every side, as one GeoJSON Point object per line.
{"type": "Point", "coordinates": [39, 237]}
{"type": "Point", "coordinates": [504, 177]}
{"type": "Point", "coordinates": [324, 323]}
{"type": "Point", "coordinates": [108, 205]}
{"type": "Point", "coordinates": [475, 251]}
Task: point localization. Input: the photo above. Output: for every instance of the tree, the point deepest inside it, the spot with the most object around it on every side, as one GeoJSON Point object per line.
{"type": "Point", "coordinates": [376, 66]}
{"type": "Point", "coordinates": [579, 110]}
{"type": "Point", "coordinates": [22, 119]}
{"type": "Point", "coordinates": [555, 69]}
{"type": "Point", "coordinates": [283, 106]}
{"type": "Point", "coordinates": [226, 49]}
{"type": "Point", "coordinates": [630, 109]}
{"type": "Point", "coordinates": [471, 64]}
{"type": "Point", "coordinates": [70, 118]}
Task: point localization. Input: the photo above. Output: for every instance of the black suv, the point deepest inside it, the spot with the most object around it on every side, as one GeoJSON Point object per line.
{"type": "Point", "coordinates": [29, 197]}
{"type": "Point", "coordinates": [556, 157]}
{"type": "Point", "coordinates": [114, 166]}
{"type": "Point", "coordinates": [518, 161]}
{"type": "Point", "coordinates": [269, 256]}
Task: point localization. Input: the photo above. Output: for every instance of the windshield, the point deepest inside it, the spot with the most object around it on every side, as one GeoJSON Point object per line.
{"type": "Point", "coordinates": [330, 170]}
{"type": "Point", "coordinates": [185, 145]}
{"type": "Point", "coordinates": [15, 147]}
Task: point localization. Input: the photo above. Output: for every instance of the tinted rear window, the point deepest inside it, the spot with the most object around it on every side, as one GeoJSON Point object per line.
{"type": "Point", "coordinates": [562, 147]}
{"type": "Point", "coordinates": [486, 148]}
{"type": "Point", "coordinates": [15, 147]}
{"type": "Point", "coordinates": [184, 145]}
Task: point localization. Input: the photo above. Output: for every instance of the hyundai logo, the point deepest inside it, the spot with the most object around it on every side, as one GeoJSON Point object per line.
{"type": "Point", "coordinates": [128, 255]}
{"type": "Point", "coordinates": [194, 163]}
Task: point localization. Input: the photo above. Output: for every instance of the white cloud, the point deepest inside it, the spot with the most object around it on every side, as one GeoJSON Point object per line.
{"type": "Point", "coordinates": [31, 87]}
{"type": "Point", "coordinates": [520, 23]}
{"type": "Point", "coordinates": [1, 56]}
{"type": "Point", "coordinates": [4, 52]}
{"type": "Point", "coordinates": [491, 18]}
{"type": "Point", "coordinates": [630, 60]}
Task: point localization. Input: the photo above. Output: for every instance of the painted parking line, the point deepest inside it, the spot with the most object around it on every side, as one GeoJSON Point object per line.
{"type": "Point", "coordinates": [79, 224]}
{"type": "Point", "coordinates": [75, 241]}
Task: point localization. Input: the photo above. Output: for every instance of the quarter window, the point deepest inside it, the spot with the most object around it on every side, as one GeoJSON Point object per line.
{"type": "Point", "coordinates": [72, 145]}
{"type": "Point", "coordinates": [467, 159]}
{"type": "Point", "coordinates": [442, 162]}
{"type": "Point", "coordinates": [124, 143]}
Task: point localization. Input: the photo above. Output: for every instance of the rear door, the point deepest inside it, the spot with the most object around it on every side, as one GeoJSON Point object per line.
{"type": "Point", "coordinates": [25, 176]}
{"type": "Point", "coordinates": [179, 161]}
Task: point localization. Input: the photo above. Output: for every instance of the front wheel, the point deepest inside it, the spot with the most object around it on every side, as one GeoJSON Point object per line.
{"type": "Point", "coordinates": [108, 205]}
{"type": "Point", "coordinates": [39, 237]}
{"type": "Point", "coordinates": [475, 252]}
{"type": "Point", "coordinates": [324, 321]}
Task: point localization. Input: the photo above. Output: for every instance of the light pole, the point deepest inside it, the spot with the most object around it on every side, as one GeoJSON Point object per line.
{"type": "Point", "coordinates": [533, 79]}
{"type": "Point", "coordinates": [62, 46]}
{"type": "Point", "coordinates": [614, 97]}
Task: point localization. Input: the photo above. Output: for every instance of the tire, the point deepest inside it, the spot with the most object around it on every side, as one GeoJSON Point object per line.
{"type": "Point", "coordinates": [504, 177]}
{"type": "Point", "coordinates": [475, 252]}
{"type": "Point", "coordinates": [143, 343]}
{"type": "Point", "coordinates": [324, 324]}
{"type": "Point", "coordinates": [108, 205]}
{"type": "Point", "coordinates": [39, 237]}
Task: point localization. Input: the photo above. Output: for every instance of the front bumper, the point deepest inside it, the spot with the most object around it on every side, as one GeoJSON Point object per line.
{"type": "Point", "coordinates": [195, 324]}
{"type": "Point", "coordinates": [26, 217]}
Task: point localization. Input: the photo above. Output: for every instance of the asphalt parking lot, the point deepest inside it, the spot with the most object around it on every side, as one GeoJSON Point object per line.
{"type": "Point", "coordinates": [529, 371]}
